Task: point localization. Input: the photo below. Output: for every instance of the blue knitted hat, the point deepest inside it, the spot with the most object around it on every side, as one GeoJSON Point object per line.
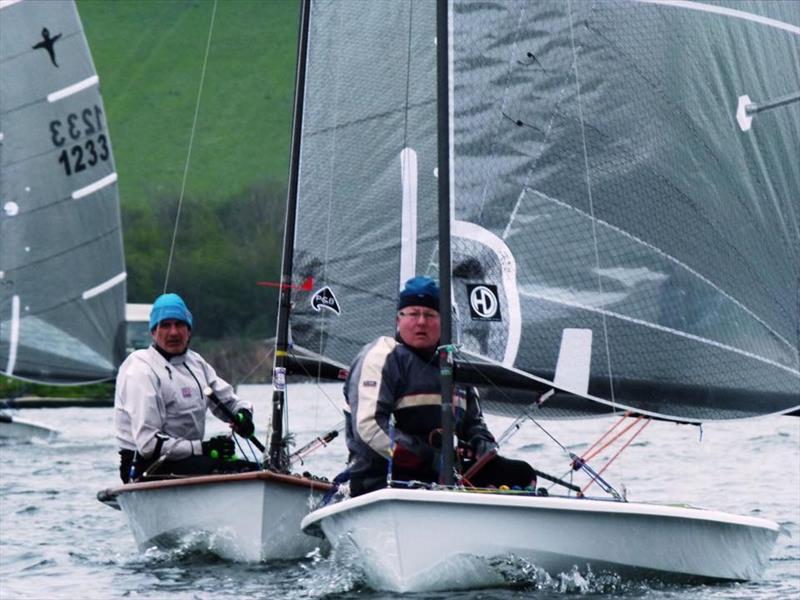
{"type": "Point", "coordinates": [419, 291]}
{"type": "Point", "coordinates": [169, 306]}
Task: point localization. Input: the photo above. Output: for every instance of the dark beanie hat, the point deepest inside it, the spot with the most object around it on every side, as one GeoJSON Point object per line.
{"type": "Point", "coordinates": [419, 291]}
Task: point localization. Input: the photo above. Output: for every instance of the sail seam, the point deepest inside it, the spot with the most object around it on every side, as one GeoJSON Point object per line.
{"type": "Point", "coordinates": [591, 200]}
{"type": "Point", "coordinates": [727, 12]}
{"type": "Point", "coordinates": [656, 326]}
{"type": "Point", "coordinates": [671, 258]}
{"type": "Point", "coordinates": [73, 89]}
{"type": "Point", "coordinates": [106, 285]}
{"type": "Point", "coordinates": [93, 187]}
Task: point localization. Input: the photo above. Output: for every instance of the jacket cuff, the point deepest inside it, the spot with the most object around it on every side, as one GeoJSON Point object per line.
{"type": "Point", "coordinates": [197, 447]}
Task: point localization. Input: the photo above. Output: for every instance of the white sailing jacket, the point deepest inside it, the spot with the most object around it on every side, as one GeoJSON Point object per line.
{"type": "Point", "coordinates": [159, 396]}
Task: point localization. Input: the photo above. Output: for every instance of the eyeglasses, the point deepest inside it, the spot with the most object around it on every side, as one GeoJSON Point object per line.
{"type": "Point", "coordinates": [415, 315]}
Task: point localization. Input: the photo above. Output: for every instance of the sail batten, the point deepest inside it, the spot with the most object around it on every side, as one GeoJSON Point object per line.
{"type": "Point", "coordinates": [73, 89]}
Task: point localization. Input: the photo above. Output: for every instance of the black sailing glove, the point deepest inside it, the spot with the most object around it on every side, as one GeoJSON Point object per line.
{"type": "Point", "coordinates": [243, 423]}
{"type": "Point", "coordinates": [481, 445]}
{"type": "Point", "coordinates": [220, 446]}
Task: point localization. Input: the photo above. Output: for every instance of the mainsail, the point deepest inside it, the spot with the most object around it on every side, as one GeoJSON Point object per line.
{"type": "Point", "coordinates": [610, 215]}
{"type": "Point", "coordinates": [62, 273]}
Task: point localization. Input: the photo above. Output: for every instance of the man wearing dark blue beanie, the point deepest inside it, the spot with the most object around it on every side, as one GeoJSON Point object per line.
{"type": "Point", "coordinates": [399, 378]}
{"type": "Point", "coordinates": [160, 403]}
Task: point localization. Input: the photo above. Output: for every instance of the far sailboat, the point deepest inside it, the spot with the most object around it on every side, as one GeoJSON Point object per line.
{"type": "Point", "coordinates": [618, 231]}
{"type": "Point", "coordinates": [62, 271]}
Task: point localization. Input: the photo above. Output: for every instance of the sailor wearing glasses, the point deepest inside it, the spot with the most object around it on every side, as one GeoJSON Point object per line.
{"type": "Point", "coordinates": [393, 392]}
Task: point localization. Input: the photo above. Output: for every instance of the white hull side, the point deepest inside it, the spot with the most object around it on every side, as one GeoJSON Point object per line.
{"type": "Point", "coordinates": [21, 431]}
{"type": "Point", "coordinates": [245, 520]}
{"type": "Point", "coordinates": [418, 540]}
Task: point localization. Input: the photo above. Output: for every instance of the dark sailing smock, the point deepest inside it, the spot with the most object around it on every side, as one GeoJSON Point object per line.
{"type": "Point", "coordinates": [389, 378]}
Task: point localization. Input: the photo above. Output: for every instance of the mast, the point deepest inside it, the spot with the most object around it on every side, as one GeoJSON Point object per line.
{"type": "Point", "coordinates": [278, 459]}
{"type": "Point", "coordinates": [443, 128]}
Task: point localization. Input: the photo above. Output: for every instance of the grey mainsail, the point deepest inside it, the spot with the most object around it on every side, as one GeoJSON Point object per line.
{"type": "Point", "coordinates": [608, 210]}
{"type": "Point", "coordinates": [62, 273]}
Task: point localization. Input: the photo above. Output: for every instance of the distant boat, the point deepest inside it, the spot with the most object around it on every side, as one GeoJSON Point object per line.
{"type": "Point", "coordinates": [610, 236]}
{"type": "Point", "coordinates": [21, 430]}
{"type": "Point", "coordinates": [62, 272]}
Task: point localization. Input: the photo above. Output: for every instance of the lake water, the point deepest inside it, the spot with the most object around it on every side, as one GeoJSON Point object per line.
{"type": "Point", "coordinates": [58, 541]}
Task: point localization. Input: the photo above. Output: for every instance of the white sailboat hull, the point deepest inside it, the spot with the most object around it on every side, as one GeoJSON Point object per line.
{"type": "Point", "coordinates": [423, 540]}
{"type": "Point", "coordinates": [246, 517]}
{"type": "Point", "coordinates": [23, 431]}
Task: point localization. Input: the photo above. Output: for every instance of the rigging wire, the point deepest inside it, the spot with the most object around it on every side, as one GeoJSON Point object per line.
{"type": "Point", "coordinates": [191, 142]}
{"type": "Point", "coordinates": [591, 199]}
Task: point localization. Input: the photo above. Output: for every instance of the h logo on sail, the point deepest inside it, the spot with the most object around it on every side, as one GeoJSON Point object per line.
{"type": "Point", "coordinates": [483, 302]}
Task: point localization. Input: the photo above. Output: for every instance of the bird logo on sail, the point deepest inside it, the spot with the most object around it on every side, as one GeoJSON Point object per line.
{"type": "Point", "coordinates": [48, 43]}
{"type": "Point", "coordinates": [324, 298]}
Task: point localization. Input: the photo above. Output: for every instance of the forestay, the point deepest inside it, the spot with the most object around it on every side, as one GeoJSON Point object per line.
{"type": "Point", "coordinates": [610, 215]}
{"type": "Point", "coordinates": [62, 274]}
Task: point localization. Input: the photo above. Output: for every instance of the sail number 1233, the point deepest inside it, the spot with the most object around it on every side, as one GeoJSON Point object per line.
{"type": "Point", "coordinates": [84, 132]}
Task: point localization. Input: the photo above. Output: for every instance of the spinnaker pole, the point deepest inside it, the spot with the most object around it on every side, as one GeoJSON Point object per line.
{"type": "Point", "coordinates": [443, 128]}
{"type": "Point", "coordinates": [278, 456]}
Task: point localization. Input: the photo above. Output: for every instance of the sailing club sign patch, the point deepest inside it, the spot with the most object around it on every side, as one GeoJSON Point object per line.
{"type": "Point", "coordinates": [324, 298]}
{"type": "Point", "coordinates": [484, 303]}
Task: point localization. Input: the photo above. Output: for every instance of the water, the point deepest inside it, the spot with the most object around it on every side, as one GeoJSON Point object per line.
{"type": "Point", "coordinates": [58, 541]}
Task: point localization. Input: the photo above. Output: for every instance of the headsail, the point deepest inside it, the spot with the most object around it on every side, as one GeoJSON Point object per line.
{"type": "Point", "coordinates": [608, 209]}
{"type": "Point", "coordinates": [62, 272]}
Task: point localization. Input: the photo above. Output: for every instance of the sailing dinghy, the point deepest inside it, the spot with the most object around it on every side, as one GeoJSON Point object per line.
{"type": "Point", "coordinates": [610, 236]}
{"type": "Point", "coordinates": [253, 516]}
{"type": "Point", "coordinates": [62, 270]}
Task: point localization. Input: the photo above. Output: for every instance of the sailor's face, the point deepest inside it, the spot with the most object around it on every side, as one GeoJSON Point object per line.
{"type": "Point", "coordinates": [172, 335]}
{"type": "Point", "coordinates": [419, 327]}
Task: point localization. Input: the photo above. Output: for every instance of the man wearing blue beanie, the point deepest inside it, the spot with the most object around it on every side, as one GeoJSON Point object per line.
{"type": "Point", "coordinates": [160, 405]}
{"type": "Point", "coordinates": [399, 378]}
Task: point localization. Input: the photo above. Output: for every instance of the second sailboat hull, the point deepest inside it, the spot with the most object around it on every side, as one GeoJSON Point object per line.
{"type": "Point", "coordinates": [423, 540]}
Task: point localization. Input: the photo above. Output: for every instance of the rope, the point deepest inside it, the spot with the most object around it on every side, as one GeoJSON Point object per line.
{"type": "Point", "coordinates": [591, 201]}
{"type": "Point", "coordinates": [613, 458]}
{"type": "Point", "coordinates": [191, 143]}
{"type": "Point", "coordinates": [589, 455]}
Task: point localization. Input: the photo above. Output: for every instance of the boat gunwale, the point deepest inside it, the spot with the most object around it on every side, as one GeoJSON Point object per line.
{"type": "Point", "coordinates": [194, 480]}
{"type": "Point", "coordinates": [538, 502]}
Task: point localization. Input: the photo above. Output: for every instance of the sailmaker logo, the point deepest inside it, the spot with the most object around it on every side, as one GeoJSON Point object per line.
{"type": "Point", "coordinates": [324, 298]}
{"type": "Point", "coordinates": [483, 302]}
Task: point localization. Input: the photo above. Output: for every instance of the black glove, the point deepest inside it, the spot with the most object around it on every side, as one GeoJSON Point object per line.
{"type": "Point", "coordinates": [481, 445]}
{"type": "Point", "coordinates": [243, 423]}
{"type": "Point", "coordinates": [220, 446]}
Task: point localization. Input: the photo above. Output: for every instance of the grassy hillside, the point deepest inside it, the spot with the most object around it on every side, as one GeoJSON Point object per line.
{"type": "Point", "coordinates": [150, 55]}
